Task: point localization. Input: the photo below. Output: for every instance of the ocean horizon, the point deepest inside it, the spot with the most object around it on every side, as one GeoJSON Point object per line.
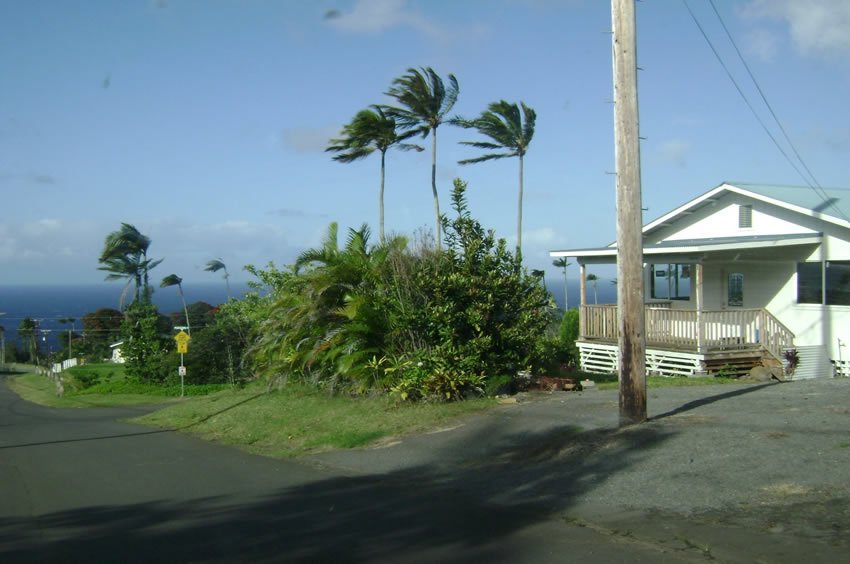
{"type": "Point", "coordinates": [51, 303]}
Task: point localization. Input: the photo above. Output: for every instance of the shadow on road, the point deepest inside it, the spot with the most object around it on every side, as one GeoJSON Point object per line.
{"type": "Point", "coordinates": [465, 508]}
{"type": "Point", "coordinates": [711, 399]}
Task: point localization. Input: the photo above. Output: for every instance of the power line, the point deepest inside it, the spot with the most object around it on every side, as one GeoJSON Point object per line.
{"type": "Point", "coordinates": [816, 185]}
{"type": "Point", "coordinates": [817, 190]}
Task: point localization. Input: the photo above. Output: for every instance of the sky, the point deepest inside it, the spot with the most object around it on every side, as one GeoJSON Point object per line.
{"type": "Point", "coordinates": [204, 122]}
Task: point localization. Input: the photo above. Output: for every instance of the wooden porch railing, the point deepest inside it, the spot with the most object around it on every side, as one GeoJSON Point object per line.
{"type": "Point", "coordinates": [699, 331]}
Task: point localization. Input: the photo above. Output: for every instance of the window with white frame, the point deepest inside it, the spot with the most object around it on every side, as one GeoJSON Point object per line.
{"type": "Point", "coordinates": [826, 283]}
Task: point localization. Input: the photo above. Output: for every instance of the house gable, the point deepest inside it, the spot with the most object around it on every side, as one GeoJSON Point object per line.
{"type": "Point", "coordinates": [719, 214]}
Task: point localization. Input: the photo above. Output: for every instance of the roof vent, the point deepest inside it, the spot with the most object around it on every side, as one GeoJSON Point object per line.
{"type": "Point", "coordinates": [745, 216]}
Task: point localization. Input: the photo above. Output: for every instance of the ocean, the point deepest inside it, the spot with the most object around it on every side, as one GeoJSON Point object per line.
{"type": "Point", "coordinates": [49, 304]}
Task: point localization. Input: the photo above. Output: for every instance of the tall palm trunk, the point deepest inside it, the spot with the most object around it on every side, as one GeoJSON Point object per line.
{"type": "Point", "coordinates": [519, 215]}
{"type": "Point", "coordinates": [381, 200]}
{"type": "Point", "coordinates": [185, 309]}
{"type": "Point", "coordinates": [566, 291]}
{"type": "Point", "coordinates": [434, 185]}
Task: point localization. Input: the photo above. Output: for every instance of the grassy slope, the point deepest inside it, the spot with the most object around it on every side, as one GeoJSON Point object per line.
{"type": "Point", "coordinates": [42, 391]}
{"type": "Point", "coordinates": [291, 421]}
{"type": "Point", "coordinates": [295, 421]}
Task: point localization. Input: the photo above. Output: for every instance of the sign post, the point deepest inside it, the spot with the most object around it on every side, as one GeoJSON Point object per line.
{"type": "Point", "coordinates": [182, 339]}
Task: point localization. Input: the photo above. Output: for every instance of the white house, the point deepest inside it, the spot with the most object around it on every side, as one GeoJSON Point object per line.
{"type": "Point", "coordinates": [117, 357]}
{"type": "Point", "coordinates": [739, 275]}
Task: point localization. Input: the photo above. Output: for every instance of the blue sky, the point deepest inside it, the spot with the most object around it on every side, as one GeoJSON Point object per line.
{"type": "Point", "coordinates": [203, 122]}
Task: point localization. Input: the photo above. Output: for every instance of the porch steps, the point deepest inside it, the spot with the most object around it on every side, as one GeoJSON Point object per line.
{"type": "Point", "coordinates": [813, 363]}
{"type": "Point", "coordinates": [733, 365]}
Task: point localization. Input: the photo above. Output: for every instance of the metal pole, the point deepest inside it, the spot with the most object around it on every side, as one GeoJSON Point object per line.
{"type": "Point", "coordinates": [181, 375]}
{"type": "Point", "coordinates": [630, 295]}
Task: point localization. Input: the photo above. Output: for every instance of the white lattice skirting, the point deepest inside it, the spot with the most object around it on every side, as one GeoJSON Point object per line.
{"type": "Point", "coordinates": [602, 359]}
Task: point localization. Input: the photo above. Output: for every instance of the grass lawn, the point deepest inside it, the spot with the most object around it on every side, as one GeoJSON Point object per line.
{"type": "Point", "coordinates": [42, 391]}
{"type": "Point", "coordinates": [282, 423]}
{"type": "Point", "coordinates": [295, 420]}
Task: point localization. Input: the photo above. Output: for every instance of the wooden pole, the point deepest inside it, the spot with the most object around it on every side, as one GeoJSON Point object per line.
{"type": "Point", "coordinates": [630, 317]}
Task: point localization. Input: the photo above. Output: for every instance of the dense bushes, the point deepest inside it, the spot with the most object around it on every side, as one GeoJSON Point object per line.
{"type": "Point", "coordinates": [146, 343]}
{"type": "Point", "coordinates": [416, 322]}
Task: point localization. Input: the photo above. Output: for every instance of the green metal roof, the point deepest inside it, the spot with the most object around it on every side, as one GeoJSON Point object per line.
{"type": "Point", "coordinates": [829, 201]}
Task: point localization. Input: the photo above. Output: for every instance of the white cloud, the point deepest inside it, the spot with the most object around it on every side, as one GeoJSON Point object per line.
{"type": "Point", "coordinates": [376, 16]}
{"type": "Point", "coordinates": [541, 236]}
{"type": "Point", "coordinates": [373, 17]}
{"type": "Point", "coordinates": [762, 44]}
{"type": "Point", "coordinates": [816, 26]}
{"type": "Point", "coordinates": [676, 152]}
{"type": "Point", "coordinates": [49, 251]}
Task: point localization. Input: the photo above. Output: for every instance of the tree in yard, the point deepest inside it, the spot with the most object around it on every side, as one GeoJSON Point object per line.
{"type": "Point", "coordinates": [424, 100]}
{"type": "Point", "coordinates": [71, 321]}
{"type": "Point", "coordinates": [174, 280]}
{"type": "Point", "coordinates": [592, 278]}
{"type": "Point", "coordinates": [215, 265]}
{"type": "Point", "coordinates": [371, 130]}
{"type": "Point", "coordinates": [510, 128]}
{"type": "Point", "coordinates": [145, 348]}
{"type": "Point", "coordinates": [324, 325]}
{"type": "Point", "coordinates": [28, 333]}
{"type": "Point", "coordinates": [101, 328]}
{"type": "Point", "coordinates": [125, 256]}
{"type": "Point", "coordinates": [561, 262]}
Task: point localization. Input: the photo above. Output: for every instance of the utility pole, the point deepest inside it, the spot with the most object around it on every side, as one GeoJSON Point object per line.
{"type": "Point", "coordinates": [630, 303]}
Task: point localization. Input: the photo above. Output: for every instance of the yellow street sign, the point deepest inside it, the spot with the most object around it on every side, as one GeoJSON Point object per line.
{"type": "Point", "coordinates": [182, 339]}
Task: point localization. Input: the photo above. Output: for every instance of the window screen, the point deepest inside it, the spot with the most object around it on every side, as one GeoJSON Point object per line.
{"type": "Point", "coordinates": [745, 216]}
{"type": "Point", "coordinates": [838, 282]}
{"type": "Point", "coordinates": [809, 283]}
{"type": "Point", "coordinates": [735, 290]}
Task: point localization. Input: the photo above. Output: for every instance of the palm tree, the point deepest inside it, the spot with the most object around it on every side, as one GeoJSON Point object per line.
{"type": "Point", "coordinates": [174, 280]}
{"type": "Point", "coordinates": [125, 256]}
{"type": "Point", "coordinates": [425, 101]}
{"type": "Point", "coordinates": [562, 263]}
{"type": "Point", "coordinates": [215, 265]}
{"type": "Point", "coordinates": [511, 131]}
{"type": "Point", "coordinates": [592, 278]}
{"type": "Point", "coordinates": [371, 130]}
{"type": "Point", "coordinates": [330, 324]}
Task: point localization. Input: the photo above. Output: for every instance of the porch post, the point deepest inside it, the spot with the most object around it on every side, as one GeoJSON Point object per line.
{"type": "Point", "coordinates": [698, 275]}
{"type": "Point", "coordinates": [583, 285]}
{"type": "Point", "coordinates": [582, 310]}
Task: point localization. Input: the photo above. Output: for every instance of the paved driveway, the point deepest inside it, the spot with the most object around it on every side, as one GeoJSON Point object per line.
{"type": "Point", "coordinates": [735, 473]}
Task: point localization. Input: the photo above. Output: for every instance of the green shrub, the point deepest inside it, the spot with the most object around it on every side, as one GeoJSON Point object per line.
{"type": "Point", "coordinates": [420, 323]}
{"type": "Point", "coordinates": [569, 335]}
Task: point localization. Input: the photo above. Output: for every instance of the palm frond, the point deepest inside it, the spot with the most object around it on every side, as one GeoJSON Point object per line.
{"type": "Point", "coordinates": [489, 157]}
{"type": "Point", "coordinates": [170, 280]}
{"type": "Point", "coordinates": [215, 265]}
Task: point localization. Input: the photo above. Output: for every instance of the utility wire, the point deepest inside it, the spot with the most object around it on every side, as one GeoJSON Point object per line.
{"type": "Point", "coordinates": [814, 185]}
{"type": "Point", "coordinates": [822, 194]}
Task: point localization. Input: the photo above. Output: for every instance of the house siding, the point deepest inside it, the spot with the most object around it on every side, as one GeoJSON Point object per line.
{"type": "Point", "coordinates": [770, 271]}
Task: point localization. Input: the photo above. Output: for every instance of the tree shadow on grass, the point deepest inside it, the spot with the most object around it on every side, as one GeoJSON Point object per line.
{"type": "Point", "coordinates": [466, 509]}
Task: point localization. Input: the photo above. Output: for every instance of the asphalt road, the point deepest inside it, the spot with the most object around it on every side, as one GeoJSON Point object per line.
{"type": "Point", "coordinates": [548, 480]}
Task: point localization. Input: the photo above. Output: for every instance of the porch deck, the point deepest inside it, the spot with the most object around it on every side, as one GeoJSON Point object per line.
{"type": "Point", "coordinates": [686, 341]}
